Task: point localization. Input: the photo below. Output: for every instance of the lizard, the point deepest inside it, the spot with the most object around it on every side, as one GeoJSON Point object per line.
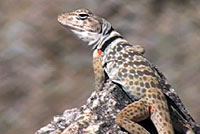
{"type": "Point", "coordinates": [126, 66]}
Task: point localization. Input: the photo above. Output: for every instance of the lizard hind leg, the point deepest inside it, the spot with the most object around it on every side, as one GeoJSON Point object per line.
{"type": "Point", "coordinates": [159, 112]}
{"type": "Point", "coordinates": [131, 114]}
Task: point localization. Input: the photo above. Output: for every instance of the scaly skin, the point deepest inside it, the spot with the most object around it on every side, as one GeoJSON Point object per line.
{"type": "Point", "coordinates": [139, 81]}
{"type": "Point", "coordinates": [98, 70]}
{"type": "Point", "coordinates": [125, 65]}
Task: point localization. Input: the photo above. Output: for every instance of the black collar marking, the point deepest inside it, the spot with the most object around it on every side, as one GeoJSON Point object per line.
{"type": "Point", "coordinates": [107, 43]}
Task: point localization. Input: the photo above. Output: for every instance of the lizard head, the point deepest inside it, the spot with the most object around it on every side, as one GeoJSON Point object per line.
{"type": "Point", "coordinates": [87, 26]}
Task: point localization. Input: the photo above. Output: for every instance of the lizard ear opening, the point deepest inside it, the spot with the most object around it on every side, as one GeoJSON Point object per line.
{"type": "Point", "coordinates": [106, 27]}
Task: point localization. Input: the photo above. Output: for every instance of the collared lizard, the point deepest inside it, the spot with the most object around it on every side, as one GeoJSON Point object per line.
{"type": "Point", "coordinates": [125, 65]}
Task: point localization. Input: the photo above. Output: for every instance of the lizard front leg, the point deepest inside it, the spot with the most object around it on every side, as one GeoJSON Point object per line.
{"type": "Point", "coordinates": [153, 106]}
{"type": "Point", "coordinates": [98, 69]}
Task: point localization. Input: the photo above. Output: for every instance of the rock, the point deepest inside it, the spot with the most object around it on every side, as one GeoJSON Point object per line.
{"type": "Point", "coordinates": [97, 116]}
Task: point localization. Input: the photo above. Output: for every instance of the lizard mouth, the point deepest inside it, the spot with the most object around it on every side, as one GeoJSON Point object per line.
{"type": "Point", "coordinates": [68, 26]}
{"type": "Point", "coordinates": [63, 22]}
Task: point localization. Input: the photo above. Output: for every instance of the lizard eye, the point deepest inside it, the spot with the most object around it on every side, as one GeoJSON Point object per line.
{"type": "Point", "coordinates": [83, 16]}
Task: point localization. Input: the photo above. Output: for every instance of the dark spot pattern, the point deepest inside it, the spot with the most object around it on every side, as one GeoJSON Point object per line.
{"type": "Point", "coordinates": [141, 82]}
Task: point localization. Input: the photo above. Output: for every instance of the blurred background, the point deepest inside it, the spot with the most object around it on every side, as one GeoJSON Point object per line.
{"type": "Point", "coordinates": [44, 69]}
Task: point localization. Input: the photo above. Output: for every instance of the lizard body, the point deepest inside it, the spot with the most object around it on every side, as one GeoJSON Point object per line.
{"type": "Point", "coordinates": [126, 66]}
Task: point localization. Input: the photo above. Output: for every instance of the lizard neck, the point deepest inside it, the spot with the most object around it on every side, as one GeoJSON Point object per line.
{"type": "Point", "coordinates": [108, 37]}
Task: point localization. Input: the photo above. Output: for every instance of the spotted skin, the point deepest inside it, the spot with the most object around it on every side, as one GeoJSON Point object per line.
{"type": "Point", "coordinates": [139, 81]}
{"type": "Point", "coordinates": [99, 70]}
{"type": "Point", "coordinates": [125, 65]}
